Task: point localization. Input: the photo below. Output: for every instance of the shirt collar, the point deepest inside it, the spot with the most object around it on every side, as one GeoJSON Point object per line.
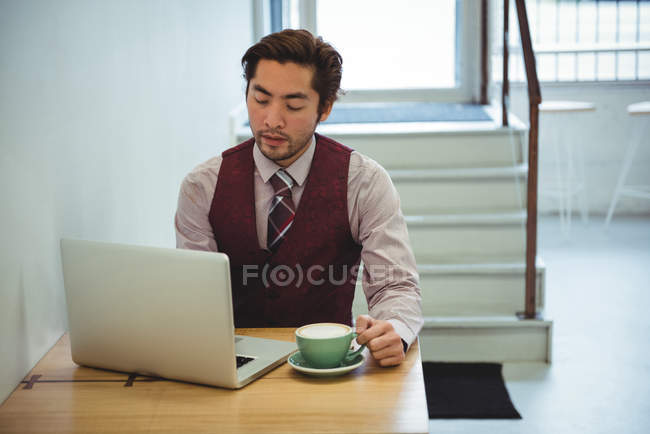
{"type": "Point", "coordinates": [298, 170]}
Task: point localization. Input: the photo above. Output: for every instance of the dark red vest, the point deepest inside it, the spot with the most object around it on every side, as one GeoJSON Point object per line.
{"type": "Point", "coordinates": [319, 258]}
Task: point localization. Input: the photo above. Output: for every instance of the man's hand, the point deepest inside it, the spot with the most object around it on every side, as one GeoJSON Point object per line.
{"type": "Point", "coordinates": [381, 338]}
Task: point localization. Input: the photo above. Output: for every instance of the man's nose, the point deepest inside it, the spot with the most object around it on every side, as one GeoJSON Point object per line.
{"type": "Point", "coordinates": [274, 117]}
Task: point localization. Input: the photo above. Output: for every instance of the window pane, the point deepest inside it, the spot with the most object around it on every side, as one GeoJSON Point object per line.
{"type": "Point", "coordinates": [606, 68]}
{"type": "Point", "coordinates": [627, 11]}
{"type": "Point", "coordinates": [645, 21]}
{"type": "Point", "coordinates": [548, 22]}
{"type": "Point", "coordinates": [392, 45]}
{"type": "Point", "coordinates": [626, 66]}
{"type": "Point", "coordinates": [566, 69]}
{"type": "Point", "coordinates": [294, 15]}
{"type": "Point", "coordinates": [587, 26]}
{"type": "Point", "coordinates": [564, 24]}
{"type": "Point", "coordinates": [607, 29]}
{"type": "Point", "coordinates": [546, 67]}
{"type": "Point", "coordinates": [644, 65]}
{"type": "Point", "coordinates": [517, 69]}
{"type": "Point", "coordinates": [497, 68]}
{"type": "Point", "coordinates": [586, 66]}
{"type": "Point", "coordinates": [567, 18]}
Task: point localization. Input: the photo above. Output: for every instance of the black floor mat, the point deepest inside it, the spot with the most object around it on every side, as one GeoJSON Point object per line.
{"type": "Point", "coordinates": [467, 391]}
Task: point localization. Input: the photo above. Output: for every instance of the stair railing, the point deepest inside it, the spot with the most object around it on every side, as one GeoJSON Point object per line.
{"type": "Point", "coordinates": [534, 99]}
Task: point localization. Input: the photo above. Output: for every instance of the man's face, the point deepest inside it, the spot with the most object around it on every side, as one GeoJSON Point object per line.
{"type": "Point", "coordinates": [283, 109]}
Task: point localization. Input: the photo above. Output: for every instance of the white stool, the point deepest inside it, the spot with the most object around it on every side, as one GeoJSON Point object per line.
{"type": "Point", "coordinates": [622, 189]}
{"type": "Point", "coordinates": [570, 177]}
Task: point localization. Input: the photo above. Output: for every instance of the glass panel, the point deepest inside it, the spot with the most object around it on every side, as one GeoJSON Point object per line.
{"type": "Point", "coordinates": [587, 30]}
{"type": "Point", "coordinates": [607, 25]}
{"type": "Point", "coordinates": [497, 68]}
{"type": "Point", "coordinates": [546, 67]}
{"type": "Point", "coordinates": [645, 21]}
{"type": "Point", "coordinates": [644, 65]}
{"type": "Point", "coordinates": [586, 67]}
{"type": "Point", "coordinates": [601, 22]}
{"type": "Point", "coordinates": [514, 35]}
{"type": "Point", "coordinates": [517, 68]}
{"type": "Point", "coordinates": [606, 66]}
{"type": "Point", "coordinates": [627, 11]}
{"type": "Point", "coordinates": [626, 66]}
{"type": "Point", "coordinates": [566, 70]}
{"type": "Point", "coordinates": [294, 14]}
{"type": "Point", "coordinates": [567, 31]}
{"type": "Point", "coordinates": [392, 45]}
{"type": "Point", "coordinates": [547, 19]}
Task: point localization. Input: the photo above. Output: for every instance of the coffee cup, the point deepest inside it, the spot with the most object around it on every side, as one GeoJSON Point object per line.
{"type": "Point", "coordinates": [326, 345]}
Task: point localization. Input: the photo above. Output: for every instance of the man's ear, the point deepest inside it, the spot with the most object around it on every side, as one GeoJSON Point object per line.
{"type": "Point", "coordinates": [326, 112]}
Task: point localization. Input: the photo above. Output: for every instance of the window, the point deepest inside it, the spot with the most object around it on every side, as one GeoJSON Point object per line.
{"type": "Point", "coordinates": [388, 47]}
{"type": "Point", "coordinates": [407, 50]}
{"type": "Point", "coordinates": [587, 40]}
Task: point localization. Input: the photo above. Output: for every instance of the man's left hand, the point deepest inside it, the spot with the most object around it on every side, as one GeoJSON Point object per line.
{"type": "Point", "coordinates": [382, 340]}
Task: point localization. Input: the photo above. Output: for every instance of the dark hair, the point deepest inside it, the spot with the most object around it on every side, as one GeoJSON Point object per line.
{"type": "Point", "coordinates": [301, 47]}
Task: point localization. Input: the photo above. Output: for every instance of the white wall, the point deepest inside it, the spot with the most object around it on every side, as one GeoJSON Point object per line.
{"type": "Point", "coordinates": [604, 135]}
{"type": "Point", "coordinates": [104, 107]}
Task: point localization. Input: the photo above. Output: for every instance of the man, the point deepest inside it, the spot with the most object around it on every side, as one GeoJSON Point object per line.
{"type": "Point", "coordinates": [296, 211]}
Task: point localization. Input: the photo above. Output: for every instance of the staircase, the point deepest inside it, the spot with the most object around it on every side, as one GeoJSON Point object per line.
{"type": "Point", "coordinates": [462, 187]}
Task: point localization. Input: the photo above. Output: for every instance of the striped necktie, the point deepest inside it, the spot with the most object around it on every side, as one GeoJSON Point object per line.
{"type": "Point", "coordinates": [282, 209]}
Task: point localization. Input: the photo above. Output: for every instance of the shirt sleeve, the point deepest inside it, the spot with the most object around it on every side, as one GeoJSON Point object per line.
{"type": "Point", "coordinates": [390, 279]}
{"type": "Point", "coordinates": [193, 229]}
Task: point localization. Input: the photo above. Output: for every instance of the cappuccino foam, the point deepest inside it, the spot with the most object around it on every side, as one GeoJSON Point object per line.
{"type": "Point", "coordinates": [324, 331]}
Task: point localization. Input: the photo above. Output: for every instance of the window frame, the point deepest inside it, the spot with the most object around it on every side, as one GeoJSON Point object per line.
{"type": "Point", "coordinates": [574, 48]}
{"type": "Point", "coordinates": [467, 89]}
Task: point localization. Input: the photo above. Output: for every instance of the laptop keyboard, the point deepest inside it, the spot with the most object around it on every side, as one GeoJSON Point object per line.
{"type": "Point", "coordinates": [242, 360]}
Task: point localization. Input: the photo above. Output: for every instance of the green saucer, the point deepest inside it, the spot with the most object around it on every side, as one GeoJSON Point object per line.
{"type": "Point", "coordinates": [297, 362]}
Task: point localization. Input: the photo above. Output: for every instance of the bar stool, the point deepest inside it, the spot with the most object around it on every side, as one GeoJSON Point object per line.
{"type": "Point", "coordinates": [570, 177]}
{"type": "Point", "coordinates": [638, 110]}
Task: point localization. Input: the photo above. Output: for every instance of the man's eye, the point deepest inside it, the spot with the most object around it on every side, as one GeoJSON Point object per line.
{"type": "Point", "coordinates": [294, 108]}
{"type": "Point", "coordinates": [259, 101]}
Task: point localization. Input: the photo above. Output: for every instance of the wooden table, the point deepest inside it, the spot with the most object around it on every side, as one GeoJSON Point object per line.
{"type": "Point", "coordinates": [59, 396]}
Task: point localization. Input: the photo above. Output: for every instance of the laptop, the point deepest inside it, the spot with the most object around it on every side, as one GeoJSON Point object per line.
{"type": "Point", "coordinates": [160, 312]}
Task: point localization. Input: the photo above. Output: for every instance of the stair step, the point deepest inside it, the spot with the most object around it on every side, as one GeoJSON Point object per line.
{"type": "Point", "coordinates": [411, 145]}
{"type": "Point", "coordinates": [483, 219]}
{"type": "Point", "coordinates": [465, 173]}
{"type": "Point", "coordinates": [471, 289]}
{"type": "Point", "coordinates": [485, 339]}
{"type": "Point", "coordinates": [477, 289]}
{"type": "Point", "coordinates": [472, 268]}
{"type": "Point", "coordinates": [479, 189]}
{"type": "Point", "coordinates": [451, 196]}
{"type": "Point", "coordinates": [480, 128]}
{"type": "Point", "coordinates": [480, 238]}
{"type": "Point", "coordinates": [426, 146]}
{"type": "Point", "coordinates": [479, 321]}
